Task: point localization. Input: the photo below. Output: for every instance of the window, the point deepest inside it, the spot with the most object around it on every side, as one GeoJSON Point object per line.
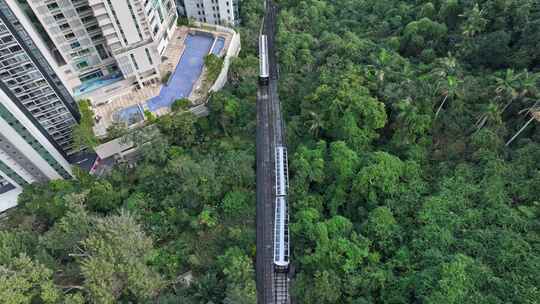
{"type": "Point", "coordinates": [97, 37]}
{"type": "Point", "coordinates": [69, 36]}
{"type": "Point", "coordinates": [52, 6]}
{"type": "Point", "coordinates": [134, 61]}
{"type": "Point", "coordinates": [82, 9]}
{"type": "Point", "coordinates": [75, 44]}
{"type": "Point", "coordinates": [92, 28]}
{"type": "Point", "coordinates": [15, 48]}
{"type": "Point", "coordinates": [7, 39]}
{"type": "Point", "coordinates": [83, 64]}
{"type": "Point", "coordinates": [149, 57]}
{"type": "Point", "coordinates": [101, 51]}
{"type": "Point", "coordinates": [59, 17]}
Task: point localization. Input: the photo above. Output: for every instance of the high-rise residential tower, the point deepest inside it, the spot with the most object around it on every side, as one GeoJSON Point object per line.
{"type": "Point", "coordinates": [29, 81]}
{"type": "Point", "coordinates": [221, 12]}
{"type": "Point", "coordinates": [104, 39]}
{"type": "Point", "coordinates": [37, 112]}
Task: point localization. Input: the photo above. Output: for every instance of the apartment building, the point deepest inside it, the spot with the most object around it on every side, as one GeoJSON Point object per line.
{"type": "Point", "coordinates": [33, 84]}
{"type": "Point", "coordinates": [27, 155]}
{"type": "Point", "coordinates": [37, 112]}
{"type": "Point", "coordinates": [137, 33]}
{"type": "Point", "coordinates": [107, 39]}
{"type": "Point", "coordinates": [221, 12]}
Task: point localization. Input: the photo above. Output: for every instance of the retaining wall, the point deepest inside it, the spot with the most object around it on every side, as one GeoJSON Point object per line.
{"type": "Point", "coordinates": [232, 51]}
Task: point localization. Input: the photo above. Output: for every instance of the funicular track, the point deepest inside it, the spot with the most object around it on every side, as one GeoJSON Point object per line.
{"type": "Point", "coordinates": [272, 175]}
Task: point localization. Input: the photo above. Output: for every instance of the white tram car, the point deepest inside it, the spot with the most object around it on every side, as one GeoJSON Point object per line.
{"type": "Point", "coordinates": [263, 60]}
{"type": "Point", "coordinates": [281, 218]}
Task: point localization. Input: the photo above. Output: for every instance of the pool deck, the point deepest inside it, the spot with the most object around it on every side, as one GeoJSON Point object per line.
{"type": "Point", "coordinates": [129, 96]}
{"type": "Point", "coordinates": [186, 73]}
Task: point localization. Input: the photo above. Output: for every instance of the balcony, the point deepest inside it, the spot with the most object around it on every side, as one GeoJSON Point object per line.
{"type": "Point", "coordinates": [108, 30]}
{"type": "Point", "coordinates": [99, 11]}
{"type": "Point", "coordinates": [104, 20]}
{"type": "Point", "coordinates": [95, 2]}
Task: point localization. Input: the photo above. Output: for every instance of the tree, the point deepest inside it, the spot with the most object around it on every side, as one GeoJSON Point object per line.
{"type": "Point", "coordinates": [180, 104]}
{"type": "Point", "coordinates": [321, 288]}
{"type": "Point", "coordinates": [382, 228]}
{"type": "Point", "coordinates": [113, 261]}
{"type": "Point", "coordinates": [65, 236]}
{"type": "Point", "coordinates": [213, 65]}
{"type": "Point", "coordinates": [149, 116]}
{"type": "Point", "coordinates": [179, 128]}
{"type": "Point", "coordinates": [450, 91]}
{"type": "Point", "coordinates": [475, 22]}
{"type": "Point", "coordinates": [239, 274]}
{"type": "Point", "coordinates": [342, 166]}
{"type": "Point", "coordinates": [24, 281]}
{"type": "Point", "coordinates": [308, 165]}
{"type": "Point", "coordinates": [47, 201]}
{"type": "Point", "coordinates": [116, 130]}
{"type": "Point", "coordinates": [422, 34]}
{"type": "Point", "coordinates": [380, 178]}
{"type": "Point", "coordinates": [83, 134]}
{"type": "Point", "coordinates": [410, 127]}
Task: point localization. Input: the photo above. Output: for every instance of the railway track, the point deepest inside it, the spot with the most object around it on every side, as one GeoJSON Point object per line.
{"type": "Point", "coordinates": [272, 176]}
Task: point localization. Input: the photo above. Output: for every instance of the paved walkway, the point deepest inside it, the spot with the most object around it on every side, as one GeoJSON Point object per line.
{"type": "Point", "coordinates": [105, 113]}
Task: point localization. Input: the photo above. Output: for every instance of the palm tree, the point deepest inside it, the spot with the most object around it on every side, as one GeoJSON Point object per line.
{"type": "Point", "coordinates": [315, 123]}
{"type": "Point", "coordinates": [450, 91]}
{"type": "Point", "coordinates": [474, 21]}
{"type": "Point", "coordinates": [516, 86]}
{"type": "Point", "coordinates": [507, 86]}
{"type": "Point", "coordinates": [491, 113]}
{"type": "Point", "coordinates": [534, 111]}
{"type": "Point", "coordinates": [446, 66]}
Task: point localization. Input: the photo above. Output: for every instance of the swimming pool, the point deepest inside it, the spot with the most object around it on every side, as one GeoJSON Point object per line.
{"type": "Point", "coordinates": [97, 83]}
{"type": "Point", "coordinates": [187, 72]}
{"type": "Point", "coordinates": [218, 46]}
{"type": "Point", "coordinates": [130, 115]}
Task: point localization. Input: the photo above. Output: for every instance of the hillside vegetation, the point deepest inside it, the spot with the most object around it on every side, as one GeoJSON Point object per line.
{"type": "Point", "coordinates": [403, 189]}
{"type": "Point", "coordinates": [398, 113]}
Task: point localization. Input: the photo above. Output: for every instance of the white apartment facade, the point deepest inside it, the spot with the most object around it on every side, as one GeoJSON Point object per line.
{"type": "Point", "coordinates": [30, 79]}
{"type": "Point", "coordinates": [48, 48]}
{"type": "Point", "coordinates": [220, 12]}
{"type": "Point", "coordinates": [137, 33]}
{"type": "Point", "coordinates": [26, 154]}
{"type": "Point", "coordinates": [37, 112]}
{"type": "Point", "coordinates": [103, 39]}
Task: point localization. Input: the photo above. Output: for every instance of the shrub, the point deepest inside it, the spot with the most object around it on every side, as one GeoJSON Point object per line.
{"type": "Point", "coordinates": [83, 135]}
{"type": "Point", "coordinates": [180, 104]}
{"type": "Point", "coordinates": [213, 66]}
{"type": "Point", "coordinates": [166, 77]}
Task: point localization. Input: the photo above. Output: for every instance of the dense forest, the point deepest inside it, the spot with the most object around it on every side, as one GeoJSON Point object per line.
{"type": "Point", "coordinates": [398, 114]}
{"type": "Point", "coordinates": [404, 189]}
